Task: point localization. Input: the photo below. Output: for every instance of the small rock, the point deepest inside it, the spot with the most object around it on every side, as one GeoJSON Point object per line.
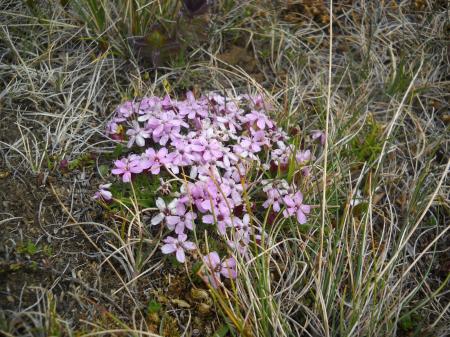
{"type": "Point", "coordinates": [181, 303]}
{"type": "Point", "coordinates": [204, 308]}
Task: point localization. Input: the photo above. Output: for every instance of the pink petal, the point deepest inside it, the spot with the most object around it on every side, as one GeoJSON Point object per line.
{"type": "Point", "coordinates": [197, 148]}
{"type": "Point", "coordinates": [305, 209]}
{"type": "Point", "coordinates": [289, 202]}
{"type": "Point", "coordinates": [301, 217]}
{"type": "Point", "coordinates": [170, 239]}
{"type": "Point", "coordinates": [206, 204]}
{"type": "Point", "coordinates": [180, 208]}
{"type": "Point", "coordinates": [212, 260]}
{"type": "Point", "coordinates": [136, 169]}
{"type": "Point", "coordinates": [298, 197]}
{"type": "Point", "coordinates": [221, 227]}
{"type": "Point", "coordinates": [181, 257]}
{"type": "Point", "coordinates": [155, 169]}
{"type": "Point", "coordinates": [157, 219]}
{"type": "Point", "coordinates": [213, 280]}
{"type": "Point", "coordinates": [126, 178]}
{"type": "Point", "coordinates": [261, 124]}
{"type": "Point", "coordinates": [190, 96]}
{"type": "Point", "coordinates": [120, 164]}
{"type": "Point", "coordinates": [150, 152]}
{"type": "Point", "coordinates": [208, 219]}
{"type": "Point", "coordinates": [189, 245]}
{"type": "Point", "coordinates": [179, 229]}
{"type": "Point", "coordinates": [189, 224]}
{"type": "Point", "coordinates": [168, 248]}
{"type": "Point", "coordinates": [158, 131]}
{"type": "Point", "coordinates": [276, 207]}
{"type": "Point", "coordinates": [172, 220]}
{"type": "Point", "coordinates": [230, 263]}
{"type": "Point", "coordinates": [162, 152]}
{"type": "Point", "coordinates": [207, 156]}
{"type": "Point", "coordinates": [228, 272]}
{"type": "Point", "coordinates": [107, 195]}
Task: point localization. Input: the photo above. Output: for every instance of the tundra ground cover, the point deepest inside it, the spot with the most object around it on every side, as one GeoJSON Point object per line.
{"type": "Point", "coordinates": [372, 257]}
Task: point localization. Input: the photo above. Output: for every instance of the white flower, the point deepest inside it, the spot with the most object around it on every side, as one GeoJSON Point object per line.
{"type": "Point", "coordinates": [137, 134]}
{"type": "Point", "coordinates": [164, 210]}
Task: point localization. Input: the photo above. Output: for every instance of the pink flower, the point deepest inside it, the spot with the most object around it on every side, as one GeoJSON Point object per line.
{"type": "Point", "coordinates": [208, 153]}
{"type": "Point", "coordinates": [126, 166]}
{"type": "Point", "coordinates": [137, 134]}
{"type": "Point", "coordinates": [216, 268]}
{"type": "Point", "coordinates": [181, 220]}
{"type": "Point", "coordinates": [228, 159]}
{"type": "Point", "coordinates": [191, 107]}
{"type": "Point", "coordinates": [195, 194]}
{"type": "Point", "coordinates": [166, 126]}
{"type": "Point", "coordinates": [281, 155]}
{"type": "Point", "coordinates": [294, 205]}
{"type": "Point", "coordinates": [222, 220]}
{"type": "Point", "coordinates": [247, 147]}
{"type": "Point", "coordinates": [154, 160]}
{"type": "Point", "coordinates": [103, 193]}
{"type": "Point", "coordinates": [274, 198]}
{"type": "Point", "coordinates": [255, 101]}
{"type": "Point", "coordinates": [231, 120]}
{"type": "Point", "coordinates": [234, 189]}
{"type": "Point", "coordinates": [177, 246]}
{"type": "Point", "coordinates": [113, 128]}
{"type": "Point", "coordinates": [260, 119]}
{"type": "Point", "coordinates": [317, 134]}
{"type": "Point", "coordinates": [260, 138]}
{"type": "Point", "coordinates": [303, 156]}
{"type": "Point", "coordinates": [242, 228]}
{"type": "Point", "coordinates": [239, 247]}
{"type": "Point", "coordinates": [208, 150]}
{"type": "Point", "coordinates": [149, 107]}
{"type": "Point", "coordinates": [215, 200]}
{"type": "Point", "coordinates": [125, 110]}
{"type": "Point", "coordinates": [182, 156]}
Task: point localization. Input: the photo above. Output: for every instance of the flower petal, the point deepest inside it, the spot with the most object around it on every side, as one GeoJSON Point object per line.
{"type": "Point", "coordinates": [172, 220]}
{"type": "Point", "coordinates": [126, 178]}
{"type": "Point", "coordinates": [212, 260]}
{"type": "Point", "coordinates": [188, 245]}
{"type": "Point", "coordinates": [168, 248]}
{"type": "Point", "coordinates": [157, 219]}
{"type": "Point", "coordinates": [160, 203]}
{"type": "Point", "coordinates": [181, 257]}
{"type": "Point", "coordinates": [301, 217]}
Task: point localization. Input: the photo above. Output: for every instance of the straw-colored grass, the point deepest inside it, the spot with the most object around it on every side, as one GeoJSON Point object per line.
{"type": "Point", "coordinates": [371, 260]}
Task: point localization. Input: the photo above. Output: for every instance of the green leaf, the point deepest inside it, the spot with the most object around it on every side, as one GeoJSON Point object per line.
{"type": "Point", "coordinates": [118, 150]}
{"type": "Point", "coordinates": [103, 170]}
{"type": "Point", "coordinates": [222, 331]}
{"type": "Point", "coordinates": [153, 307]}
{"type": "Point", "coordinates": [406, 323]}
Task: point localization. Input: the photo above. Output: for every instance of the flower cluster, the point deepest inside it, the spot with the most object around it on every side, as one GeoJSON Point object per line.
{"type": "Point", "coordinates": [215, 151]}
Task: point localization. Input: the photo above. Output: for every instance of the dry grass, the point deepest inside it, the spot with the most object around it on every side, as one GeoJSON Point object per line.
{"type": "Point", "coordinates": [373, 260]}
